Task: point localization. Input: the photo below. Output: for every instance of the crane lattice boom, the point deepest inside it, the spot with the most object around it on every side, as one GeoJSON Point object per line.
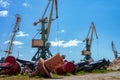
{"type": "Point", "coordinates": [16, 29]}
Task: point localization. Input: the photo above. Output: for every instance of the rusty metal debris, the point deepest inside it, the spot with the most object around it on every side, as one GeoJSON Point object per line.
{"type": "Point", "coordinates": [85, 66]}
{"type": "Point", "coordinates": [80, 66]}
{"type": "Point", "coordinates": [46, 67]}
{"type": "Point", "coordinates": [10, 66]}
{"type": "Point", "coordinates": [30, 64]}
{"type": "Point", "coordinates": [67, 67]}
{"type": "Point", "coordinates": [114, 65]}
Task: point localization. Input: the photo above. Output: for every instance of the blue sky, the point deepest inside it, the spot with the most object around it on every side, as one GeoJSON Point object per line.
{"type": "Point", "coordinates": [75, 17]}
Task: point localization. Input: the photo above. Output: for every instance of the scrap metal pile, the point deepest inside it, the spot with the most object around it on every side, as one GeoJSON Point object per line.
{"type": "Point", "coordinates": [114, 65]}
{"type": "Point", "coordinates": [45, 68]}
{"type": "Point", "coordinates": [86, 66]}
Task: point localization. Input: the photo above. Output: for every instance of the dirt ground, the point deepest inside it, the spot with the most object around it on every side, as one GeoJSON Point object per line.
{"type": "Point", "coordinates": [101, 76]}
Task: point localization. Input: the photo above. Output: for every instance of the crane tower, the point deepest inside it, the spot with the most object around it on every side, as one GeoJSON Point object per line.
{"type": "Point", "coordinates": [42, 44]}
{"type": "Point", "coordinates": [88, 40]}
{"type": "Point", "coordinates": [12, 39]}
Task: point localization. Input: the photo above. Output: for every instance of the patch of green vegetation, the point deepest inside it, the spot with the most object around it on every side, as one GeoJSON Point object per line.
{"type": "Point", "coordinates": [20, 77]}
{"type": "Point", "coordinates": [101, 71]}
{"type": "Point", "coordinates": [54, 75]}
{"type": "Point", "coordinates": [81, 72]}
{"type": "Point", "coordinates": [68, 74]}
{"type": "Point", "coordinates": [3, 76]}
{"type": "Point", "coordinates": [61, 75]}
{"type": "Point", "coordinates": [93, 71]}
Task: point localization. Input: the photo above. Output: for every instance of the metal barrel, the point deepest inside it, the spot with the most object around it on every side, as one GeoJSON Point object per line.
{"type": "Point", "coordinates": [10, 66]}
{"type": "Point", "coordinates": [67, 67]}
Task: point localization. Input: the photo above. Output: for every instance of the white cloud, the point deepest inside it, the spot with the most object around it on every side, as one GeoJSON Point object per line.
{"type": "Point", "coordinates": [6, 42]}
{"type": "Point", "coordinates": [62, 31]}
{"type": "Point", "coordinates": [19, 46]}
{"type": "Point", "coordinates": [4, 13]}
{"type": "Point", "coordinates": [15, 42]}
{"type": "Point", "coordinates": [25, 4]}
{"type": "Point", "coordinates": [70, 43]}
{"type": "Point", "coordinates": [21, 34]}
{"type": "Point", "coordinates": [57, 43]}
{"type": "Point", "coordinates": [18, 43]}
{"type": "Point", "coordinates": [4, 3]}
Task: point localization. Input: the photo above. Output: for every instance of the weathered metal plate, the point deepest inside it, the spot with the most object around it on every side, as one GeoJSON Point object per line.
{"type": "Point", "coordinates": [84, 52]}
{"type": "Point", "coordinates": [54, 62]}
{"type": "Point", "coordinates": [37, 43]}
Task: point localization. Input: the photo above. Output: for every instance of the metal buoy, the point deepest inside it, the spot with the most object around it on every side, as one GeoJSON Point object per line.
{"type": "Point", "coordinates": [10, 66]}
{"type": "Point", "coordinates": [67, 67]}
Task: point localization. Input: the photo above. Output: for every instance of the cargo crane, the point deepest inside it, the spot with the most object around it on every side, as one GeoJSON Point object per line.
{"type": "Point", "coordinates": [43, 44]}
{"type": "Point", "coordinates": [88, 41]}
{"type": "Point", "coordinates": [12, 39]}
{"type": "Point", "coordinates": [114, 50]}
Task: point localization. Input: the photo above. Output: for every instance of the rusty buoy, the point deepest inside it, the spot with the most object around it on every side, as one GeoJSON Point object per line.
{"type": "Point", "coordinates": [46, 67]}
{"type": "Point", "coordinates": [67, 67]}
{"type": "Point", "coordinates": [10, 66]}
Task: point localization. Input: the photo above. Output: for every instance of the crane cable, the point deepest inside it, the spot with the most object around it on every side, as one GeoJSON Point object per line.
{"type": "Point", "coordinates": [36, 34]}
{"type": "Point", "coordinates": [58, 36]}
{"type": "Point", "coordinates": [46, 9]}
{"type": "Point", "coordinates": [98, 49]}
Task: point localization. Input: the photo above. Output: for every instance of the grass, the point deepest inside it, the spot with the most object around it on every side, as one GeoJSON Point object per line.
{"type": "Point", "coordinates": [101, 71]}
{"type": "Point", "coordinates": [80, 72]}
{"type": "Point", "coordinates": [68, 74]}
{"type": "Point", "coordinates": [54, 76]}
{"type": "Point", "coordinates": [93, 71]}
{"type": "Point", "coordinates": [19, 77]}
